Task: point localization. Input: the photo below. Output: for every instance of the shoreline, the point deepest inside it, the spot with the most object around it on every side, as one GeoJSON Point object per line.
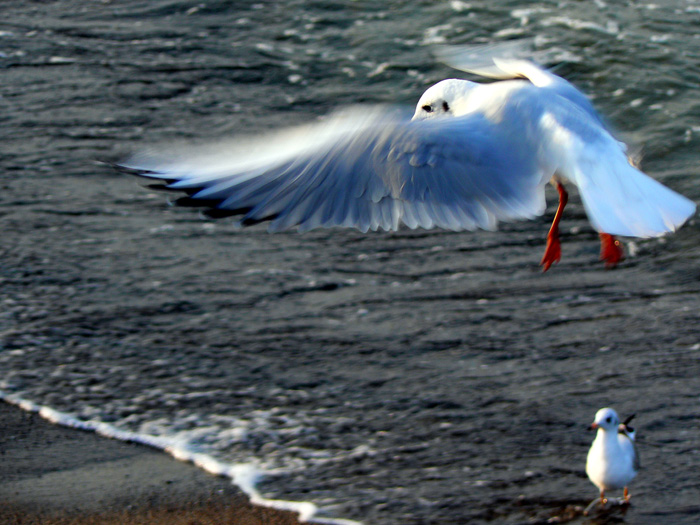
{"type": "Point", "coordinates": [54, 474]}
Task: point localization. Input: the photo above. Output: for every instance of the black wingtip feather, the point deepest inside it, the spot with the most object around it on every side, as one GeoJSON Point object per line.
{"type": "Point", "coordinates": [191, 202]}
{"type": "Point", "coordinates": [249, 221]}
{"type": "Point", "coordinates": [626, 422]}
{"type": "Point", "coordinates": [136, 172]}
{"type": "Point", "coordinates": [162, 186]}
{"type": "Point", "coordinates": [221, 213]}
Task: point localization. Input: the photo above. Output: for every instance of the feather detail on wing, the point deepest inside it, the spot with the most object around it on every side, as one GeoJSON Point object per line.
{"type": "Point", "coordinates": [369, 168]}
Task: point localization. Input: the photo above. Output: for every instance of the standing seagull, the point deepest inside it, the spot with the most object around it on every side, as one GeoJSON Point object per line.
{"type": "Point", "coordinates": [612, 459]}
{"type": "Point", "coordinates": [472, 155]}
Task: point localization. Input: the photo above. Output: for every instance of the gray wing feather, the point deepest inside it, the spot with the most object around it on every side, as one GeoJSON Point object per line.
{"type": "Point", "coordinates": [368, 169]}
{"type": "Point", "coordinates": [636, 463]}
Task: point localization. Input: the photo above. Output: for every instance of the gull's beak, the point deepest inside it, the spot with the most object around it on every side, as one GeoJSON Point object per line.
{"type": "Point", "coordinates": [593, 426]}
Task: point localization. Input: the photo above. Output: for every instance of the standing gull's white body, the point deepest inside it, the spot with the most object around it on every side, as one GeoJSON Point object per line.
{"type": "Point", "coordinates": [472, 155]}
{"type": "Point", "coordinates": [612, 459]}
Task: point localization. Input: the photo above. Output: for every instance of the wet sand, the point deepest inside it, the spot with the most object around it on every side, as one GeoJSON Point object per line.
{"type": "Point", "coordinates": [56, 475]}
{"type": "Point", "coordinates": [53, 475]}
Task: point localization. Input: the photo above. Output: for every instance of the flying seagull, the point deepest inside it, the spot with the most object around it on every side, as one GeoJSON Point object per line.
{"type": "Point", "coordinates": [473, 154]}
{"type": "Point", "coordinates": [612, 459]}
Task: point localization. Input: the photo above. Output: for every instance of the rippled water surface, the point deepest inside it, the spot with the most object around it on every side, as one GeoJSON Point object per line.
{"type": "Point", "coordinates": [416, 377]}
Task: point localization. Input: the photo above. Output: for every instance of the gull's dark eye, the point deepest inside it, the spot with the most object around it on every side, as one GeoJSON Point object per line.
{"type": "Point", "coordinates": [607, 419]}
{"type": "Point", "coordinates": [445, 106]}
{"type": "Point", "coordinates": [427, 108]}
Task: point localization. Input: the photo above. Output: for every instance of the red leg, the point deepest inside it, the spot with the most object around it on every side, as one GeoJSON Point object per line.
{"type": "Point", "coordinates": [610, 250]}
{"type": "Point", "coordinates": [552, 252]}
{"type": "Point", "coordinates": [627, 495]}
{"type": "Point", "coordinates": [603, 501]}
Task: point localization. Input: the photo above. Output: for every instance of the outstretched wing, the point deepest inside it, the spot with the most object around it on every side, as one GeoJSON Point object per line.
{"type": "Point", "coordinates": [367, 168]}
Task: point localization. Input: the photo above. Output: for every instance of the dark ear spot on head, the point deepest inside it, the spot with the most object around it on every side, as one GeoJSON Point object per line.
{"type": "Point", "coordinates": [445, 106]}
{"type": "Point", "coordinates": [427, 108]}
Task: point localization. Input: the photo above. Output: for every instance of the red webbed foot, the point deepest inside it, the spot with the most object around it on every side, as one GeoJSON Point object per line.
{"type": "Point", "coordinates": [552, 253]}
{"type": "Point", "coordinates": [610, 250]}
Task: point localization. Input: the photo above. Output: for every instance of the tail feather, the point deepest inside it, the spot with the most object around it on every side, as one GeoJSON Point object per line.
{"type": "Point", "coordinates": [621, 200]}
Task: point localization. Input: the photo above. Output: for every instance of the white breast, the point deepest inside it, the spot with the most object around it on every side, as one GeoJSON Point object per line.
{"type": "Point", "coordinates": [610, 462]}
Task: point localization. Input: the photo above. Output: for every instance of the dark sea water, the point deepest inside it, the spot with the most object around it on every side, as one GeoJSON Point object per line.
{"type": "Point", "coordinates": [416, 377]}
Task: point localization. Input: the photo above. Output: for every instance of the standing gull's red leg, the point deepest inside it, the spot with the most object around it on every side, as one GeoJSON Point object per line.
{"type": "Point", "coordinates": [552, 252]}
{"type": "Point", "coordinates": [610, 250]}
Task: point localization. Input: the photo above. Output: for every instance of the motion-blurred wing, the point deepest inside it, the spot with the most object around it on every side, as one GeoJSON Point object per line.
{"type": "Point", "coordinates": [367, 168]}
{"type": "Point", "coordinates": [480, 59]}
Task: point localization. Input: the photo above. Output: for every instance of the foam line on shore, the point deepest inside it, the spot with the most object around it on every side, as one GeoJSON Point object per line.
{"type": "Point", "coordinates": [243, 475]}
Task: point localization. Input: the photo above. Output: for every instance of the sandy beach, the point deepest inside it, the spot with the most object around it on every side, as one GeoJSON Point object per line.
{"type": "Point", "coordinates": [56, 475]}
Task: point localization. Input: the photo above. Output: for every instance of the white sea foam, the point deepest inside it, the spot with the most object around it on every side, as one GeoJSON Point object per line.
{"type": "Point", "coordinates": [434, 35]}
{"type": "Point", "coordinates": [610, 27]}
{"type": "Point", "coordinates": [244, 475]}
{"type": "Point", "coordinates": [524, 15]}
{"type": "Point", "coordinates": [459, 6]}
